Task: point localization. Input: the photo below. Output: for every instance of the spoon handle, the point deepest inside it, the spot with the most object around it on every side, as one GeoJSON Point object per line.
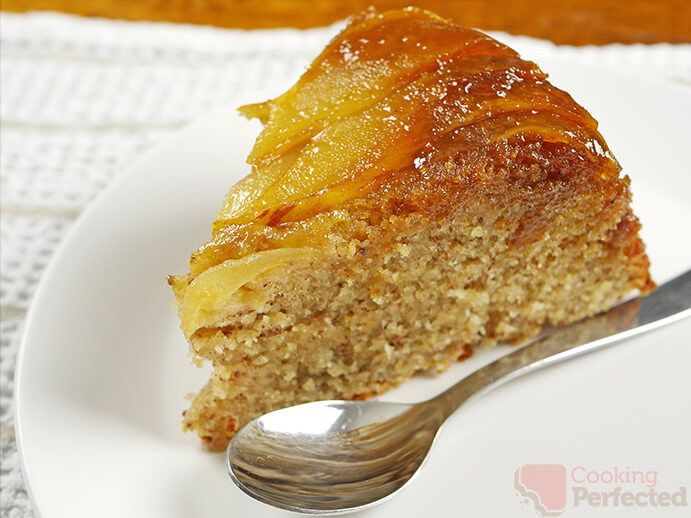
{"type": "Point", "coordinates": [669, 303]}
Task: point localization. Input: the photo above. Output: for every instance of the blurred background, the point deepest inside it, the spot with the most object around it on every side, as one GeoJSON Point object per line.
{"type": "Point", "coordinates": [575, 22]}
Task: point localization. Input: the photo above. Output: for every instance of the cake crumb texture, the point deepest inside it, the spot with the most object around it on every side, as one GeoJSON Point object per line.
{"type": "Point", "coordinates": [415, 293]}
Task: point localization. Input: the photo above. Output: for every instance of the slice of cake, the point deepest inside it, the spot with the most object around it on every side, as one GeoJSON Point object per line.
{"type": "Point", "coordinates": [420, 190]}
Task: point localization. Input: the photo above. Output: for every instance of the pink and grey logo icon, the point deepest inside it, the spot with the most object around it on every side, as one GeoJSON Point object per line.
{"type": "Point", "coordinates": [544, 485]}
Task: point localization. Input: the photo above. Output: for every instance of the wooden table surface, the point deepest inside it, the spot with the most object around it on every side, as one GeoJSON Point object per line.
{"type": "Point", "coordinates": [576, 22]}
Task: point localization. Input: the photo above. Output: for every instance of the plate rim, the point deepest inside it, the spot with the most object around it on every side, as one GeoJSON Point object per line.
{"type": "Point", "coordinates": [66, 243]}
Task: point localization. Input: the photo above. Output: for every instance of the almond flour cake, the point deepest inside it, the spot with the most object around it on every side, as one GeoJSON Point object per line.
{"type": "Point", "coordinates": [420, 190]}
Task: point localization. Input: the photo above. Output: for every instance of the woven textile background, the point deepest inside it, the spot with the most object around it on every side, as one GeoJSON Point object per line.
{"type": "Point", "coordinates": [83, 98]}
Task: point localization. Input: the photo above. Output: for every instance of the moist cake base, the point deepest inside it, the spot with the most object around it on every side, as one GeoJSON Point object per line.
{"type": "Point", "coordinates": [413, 293]}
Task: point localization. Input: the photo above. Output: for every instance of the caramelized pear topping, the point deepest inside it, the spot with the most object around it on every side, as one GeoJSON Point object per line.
{"type": "Point", "coordinates": [390, 98]}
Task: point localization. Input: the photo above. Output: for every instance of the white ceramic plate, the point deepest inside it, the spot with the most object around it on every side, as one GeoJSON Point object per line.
{"type": "Point", "coordinates": [103, 368]}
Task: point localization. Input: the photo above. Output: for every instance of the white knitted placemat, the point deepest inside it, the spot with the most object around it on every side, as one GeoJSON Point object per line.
{"type": "Point", "coordinates": [82, 98]}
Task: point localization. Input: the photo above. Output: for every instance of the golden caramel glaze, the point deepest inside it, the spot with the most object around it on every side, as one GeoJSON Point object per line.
{"type": "Point", "coordinates": [401, 112]}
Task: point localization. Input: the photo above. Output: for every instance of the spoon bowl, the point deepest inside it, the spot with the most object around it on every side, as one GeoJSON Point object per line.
{"type": "Point", "coordinates": [347, 455]}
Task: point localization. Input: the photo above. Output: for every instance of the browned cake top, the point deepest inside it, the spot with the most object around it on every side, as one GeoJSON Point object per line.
{"type": "Point", "coordinates": [401, 112]}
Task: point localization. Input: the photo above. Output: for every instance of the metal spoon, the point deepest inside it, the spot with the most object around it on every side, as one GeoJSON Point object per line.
{"type": "Point", "coordinates": [341, 456]}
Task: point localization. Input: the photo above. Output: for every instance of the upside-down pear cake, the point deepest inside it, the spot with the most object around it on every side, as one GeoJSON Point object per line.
{"type": "Point", "coordinates": [419, 191]}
